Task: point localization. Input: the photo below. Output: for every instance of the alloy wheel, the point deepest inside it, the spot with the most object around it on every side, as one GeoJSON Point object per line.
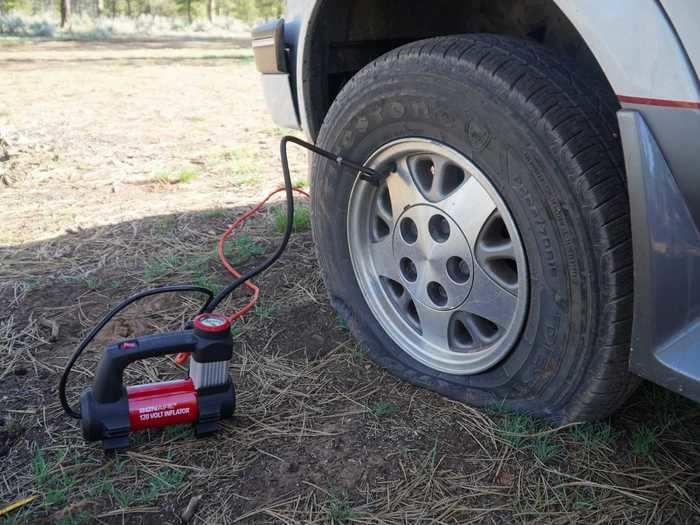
{"type": "Point", "coordinates": [438, 257]}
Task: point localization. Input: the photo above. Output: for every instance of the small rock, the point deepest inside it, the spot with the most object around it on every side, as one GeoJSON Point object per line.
{"type": "Point", "coordinates": [505, 478]}
{"type": "Point", "coordinates": [189, 511]}
{"type": "Point", "coordinates": [122, 329]}
{"type": "Point", "coordinates": [51, 325]}
{"type": "Point", "coordinates": [318, 339]}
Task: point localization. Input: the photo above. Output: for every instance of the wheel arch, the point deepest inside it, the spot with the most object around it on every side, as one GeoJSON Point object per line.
{"type": "Point", "coordinates": [608, 40]}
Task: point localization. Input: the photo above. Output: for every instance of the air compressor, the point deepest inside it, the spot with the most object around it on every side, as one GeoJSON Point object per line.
{"type": "Point", "coordinates": [110, 411]}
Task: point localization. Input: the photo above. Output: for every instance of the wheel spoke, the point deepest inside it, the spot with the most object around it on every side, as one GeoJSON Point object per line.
{"type": "Point", "coordinates": [385, 213]}
{"type": "Point", "coordinates": [502, 250]}
{"type": "Point", "coordinates": [434, 324]}
{"type": "Point", "coordinates": [475, 340]}
{"type": "Point", "coordinates": [402, 192]}
{"type": "Point", "coordinates": [448, 177]}
{"type": "Point", "coordinates": [490, 300]}
{"type": "Point", "coordinates": [382, 255]}
{"type": "Point", "coordinates": [470, 206]}
{"type": "Point", "coordinates": [404, 300]}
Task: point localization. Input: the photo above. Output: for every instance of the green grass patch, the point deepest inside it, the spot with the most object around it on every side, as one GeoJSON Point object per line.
{"type": "Point", "coordinates": [208, 282]}
{"type": "Point", "coordinates": [342, 323]}
{"type": "Point", "coordinates": [513, 427]}
{"type": "Point", "coordinates": [244, 165]}
{"type": "Point", "coordinates": [385, 408]}
{"type": "Point", "coordinates": [594, 436]}
{"type": "Point", "coordinates": [215, 213]}
{"type": "Point", "coordinates": [183, 176]}
{"type": "Point", "coordinates": [585, 498]}
{"type": "Point", "coordinates": [164, 481]}
{"type": "Point", "coordinates": [159, 268]}
{"type": "Point", "coordinates": [241, 248]}
{"type": "Point", "coordinates": [264, 310]}
{"type": "Point", "coordinates": [300, 223]}
{"type": "Point", "coordinates": [166, 223]}
{"type": "Point", "coordinates": [434, 457]}
{"type": "Point", "coordinates": [338, 511]}
{"type": "Point", "coordinates": [643, 441]}
{"type": "Point", "coordinates": [524, 432]}
{"type": "Point", "coordinates": [123, 496]}
{"type": "Point", "coordinates": [200, 268]}
{"type": "Point", "coordinates": [358, 356]}
{"type": "Point", "coordinates": [545, 448]}
{"type": "Point", "coordinates": [177, 432]}
{"type": "Point", "coordinates": [51, 480]}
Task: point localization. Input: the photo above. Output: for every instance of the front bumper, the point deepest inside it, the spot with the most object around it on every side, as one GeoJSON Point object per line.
{"type": "Point", "coordinates": [271, 59]}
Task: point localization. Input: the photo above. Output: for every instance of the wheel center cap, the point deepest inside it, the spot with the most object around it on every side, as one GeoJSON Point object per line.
{"type": "Point", "coordinates": [433, 256]}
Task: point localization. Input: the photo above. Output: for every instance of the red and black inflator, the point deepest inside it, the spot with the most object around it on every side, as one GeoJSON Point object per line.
{"type": "Point", "coordinates": [110, 411]}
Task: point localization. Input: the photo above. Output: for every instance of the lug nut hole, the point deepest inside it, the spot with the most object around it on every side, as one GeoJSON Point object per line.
{"type": "Point", "coordinates": [458, 270]}
{"type": "Point", "coordinates": [409, 231]}
{"type": "Point", "coordinates": [408, 269]}
{"type": "Point", "coordinates": [437, 293]}
{"type": "Point", "coordinates": [439, 228]}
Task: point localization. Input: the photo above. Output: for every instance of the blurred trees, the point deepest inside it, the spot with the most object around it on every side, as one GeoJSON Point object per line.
{"type": "Point", "coordinates": [9, 5]}
{"type": "Point", "coordinates": [247, 10]}
{"type": "Point", "coordinates": [65, 12]}
{"type": "Point", "coordinates": [184, 8]}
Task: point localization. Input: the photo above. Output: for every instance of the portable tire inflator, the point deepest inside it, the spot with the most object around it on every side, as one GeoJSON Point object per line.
{"type": "Point", "coordinates": [109, 411]}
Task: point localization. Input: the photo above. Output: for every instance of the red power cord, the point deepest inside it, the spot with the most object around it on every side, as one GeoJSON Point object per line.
{"type": "Point", "coordinates": [181, 358]}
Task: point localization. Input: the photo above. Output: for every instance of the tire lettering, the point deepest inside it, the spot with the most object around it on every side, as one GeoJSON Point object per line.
{"type": "Point", "coordinates": [347, 139]}
{"type": "Point", "coordinates": [396, 110]}
{"type": "Point", "coordinates": [541, 227]}
{"type": "Point", "coordinates": [377, 114]}
{"type": "Point", "coordinates": [478, 135]}
{"type": "Point", "coordinates": [446, 118]}
{"type": "Point", "coordinates": [362, 124]}
{"type": "Point", "coordinates": [420, 109]}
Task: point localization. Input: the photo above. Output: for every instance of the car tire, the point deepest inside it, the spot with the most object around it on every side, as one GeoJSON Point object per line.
{"type": "Point", "coordinates": [542, 141]}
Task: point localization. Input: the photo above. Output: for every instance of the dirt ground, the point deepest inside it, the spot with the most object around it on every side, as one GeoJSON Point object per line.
{"type": "Point", "coordinates": [120, 164]}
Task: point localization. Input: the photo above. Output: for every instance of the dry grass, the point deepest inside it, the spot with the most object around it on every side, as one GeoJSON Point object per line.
{"type": "Point", "coordinates": [321, 434]}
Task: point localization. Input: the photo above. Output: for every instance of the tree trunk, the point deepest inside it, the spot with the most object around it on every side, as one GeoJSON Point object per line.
{"type": "Point", "coordinates": [189, 12]}
{"type": "Point", "coordinates": [128, 8]}
{"type": "Point", "coordinates": [65, 12]}
{"type": "Point", "coordinates": [211, 9]}
{"type": "Point", "coordinates": [114, 9]}
{"type": "Point", "coordinates": [99, 7]}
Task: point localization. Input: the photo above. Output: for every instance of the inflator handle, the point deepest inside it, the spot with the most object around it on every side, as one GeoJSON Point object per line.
{"type": "Point", "coordinates": [109, 385]}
